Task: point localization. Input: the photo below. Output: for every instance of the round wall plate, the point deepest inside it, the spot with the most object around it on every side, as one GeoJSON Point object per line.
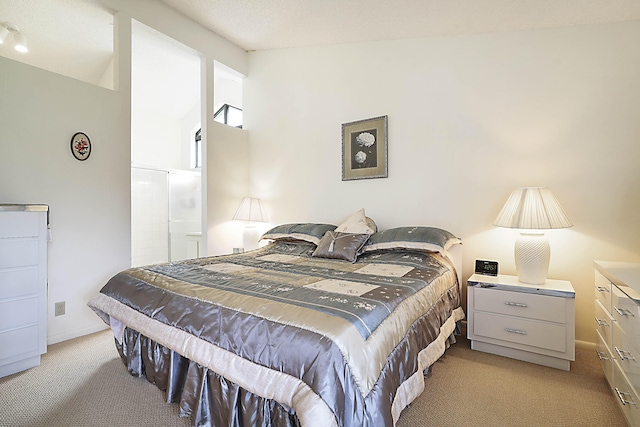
{"type": "Point", "coordinates": [80, 146]}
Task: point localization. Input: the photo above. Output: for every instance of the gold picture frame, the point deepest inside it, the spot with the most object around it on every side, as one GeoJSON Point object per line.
{"type": "Point", "coordinates": [364, 149]}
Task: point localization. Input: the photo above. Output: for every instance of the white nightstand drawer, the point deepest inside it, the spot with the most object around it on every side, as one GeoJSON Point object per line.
{"type": "Point", "coordinates": [603, 290]}
{"type": "Point", "coordinates": [604, 324]}
{"type": "Point", "coordinates": [546, 335]}
{"type": "Point", "coordinates": [541, 307]}
{"type": "Point", "coordinates": [605, 357]}
{"type": "Point", "coordinates": [626, 396]}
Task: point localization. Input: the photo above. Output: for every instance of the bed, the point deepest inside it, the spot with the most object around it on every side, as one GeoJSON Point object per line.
{"type": "Point", "coordinates": [323, 326]}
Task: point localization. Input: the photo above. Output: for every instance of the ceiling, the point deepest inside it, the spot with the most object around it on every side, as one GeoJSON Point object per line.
{"type": "Point", "coordinates": [274, 24]}
{"type": "Point", "coordinates": [74, 37]}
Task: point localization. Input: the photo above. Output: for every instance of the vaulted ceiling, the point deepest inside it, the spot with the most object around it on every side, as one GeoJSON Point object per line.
{"type": "Point", "coordinates": [74, 37]}
{"type": "Point", "coordinates": [273, 24]}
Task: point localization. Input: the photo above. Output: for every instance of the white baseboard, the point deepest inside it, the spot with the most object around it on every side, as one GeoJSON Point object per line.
{"type": "Point", "coordinates": [53, 339]}
{"type": "Point", "coordinates": [586, 345]}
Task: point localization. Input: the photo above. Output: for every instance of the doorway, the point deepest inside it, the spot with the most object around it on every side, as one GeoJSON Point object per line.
{"type": "Point", "coordinates": [166, 186]}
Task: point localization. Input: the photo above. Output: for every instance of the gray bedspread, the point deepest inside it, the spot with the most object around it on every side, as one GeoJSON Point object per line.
{"type": "Point", "coordinates": [340, 343]}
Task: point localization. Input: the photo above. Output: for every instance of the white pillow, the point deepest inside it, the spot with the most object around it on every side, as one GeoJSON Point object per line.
{"type": "Point", "coordinates": [357, 223]}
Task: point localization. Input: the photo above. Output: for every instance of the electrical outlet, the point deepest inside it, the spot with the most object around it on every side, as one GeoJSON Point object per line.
{"type": "Point", "coordinates": [59, 308]}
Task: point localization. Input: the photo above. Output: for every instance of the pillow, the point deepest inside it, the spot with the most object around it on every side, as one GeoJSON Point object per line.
{"type": "Point", "coordinates": [336, 245]}
{"type": "Point", "coordinates": [307, 232]}
{"type": "Point", "coordinates": [357, 223]}
{"type": "Point", "coordinates": [423, 238]}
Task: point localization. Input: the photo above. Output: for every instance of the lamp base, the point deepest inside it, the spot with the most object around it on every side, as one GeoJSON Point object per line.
{"type": "Point", "coordinates": [250, 237]}
{"type": "Point", "coordinates": [532, 253]}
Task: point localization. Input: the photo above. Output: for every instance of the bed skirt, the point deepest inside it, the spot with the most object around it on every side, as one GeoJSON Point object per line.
{"type": "Point", "coordinates": [203, 395]}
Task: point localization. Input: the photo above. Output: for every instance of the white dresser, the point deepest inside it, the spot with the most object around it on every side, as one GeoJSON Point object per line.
{"type": "Point", "coordinates": [617, 288]}
{"type": "Point", "coordinates": [534, 323]}
{"type": "Point", "coordinates": [23, 286]}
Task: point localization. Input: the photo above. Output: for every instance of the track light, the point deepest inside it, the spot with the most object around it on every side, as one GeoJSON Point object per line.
{"type": "Point", "coordinates": [19, 39]}
{"type": "Point", "coordinates": [3, 34]}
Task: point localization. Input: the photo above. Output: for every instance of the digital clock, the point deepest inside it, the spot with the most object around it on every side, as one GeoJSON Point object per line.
{"type": "Point", "coordinates": [489, 268]}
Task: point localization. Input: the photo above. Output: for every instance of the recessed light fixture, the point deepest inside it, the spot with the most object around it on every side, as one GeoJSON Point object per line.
{"type": "Point", "coordinates": [19, 39]}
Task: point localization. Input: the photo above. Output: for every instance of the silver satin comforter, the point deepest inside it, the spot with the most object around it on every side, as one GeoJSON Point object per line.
{"type": "Point", "coordinates": [340, 344]}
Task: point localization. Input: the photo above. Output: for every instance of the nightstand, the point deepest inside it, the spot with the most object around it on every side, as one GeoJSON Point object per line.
{"type": "Point", "coordinates": [534, 323]}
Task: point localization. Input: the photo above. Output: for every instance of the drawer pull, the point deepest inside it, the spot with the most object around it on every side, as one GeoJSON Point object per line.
{"type": "Point", "coordinates": [601, 322]}
{"type": "Point", "coordinates": [623, 311]}
{"type": "Point", "coordinates": [602, 355]}
{"type": "Point", "coordinates": [602, 289]}
{"type": "Point", "coordinates": [624, 354]}
{"type": "Point", "coordinates": [623, 397]}
{"type": "Point", "coordinates": [515, 331]}
{"type": "Point", "coordinates": [515, 304]}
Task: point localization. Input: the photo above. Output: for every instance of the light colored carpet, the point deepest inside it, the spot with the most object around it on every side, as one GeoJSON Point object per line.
{"type": "Point", "coordinates": [82, 382]}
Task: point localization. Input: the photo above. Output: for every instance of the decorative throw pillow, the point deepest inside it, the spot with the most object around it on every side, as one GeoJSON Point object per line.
{"type": "Point", "coordinates": [423, 238]}
{"type": "Point", "coordinates": [336, 245]}
{"type": "Point", "coordinates": [358, 223]}
{"type": "Point", "coordinates": [307, 232]}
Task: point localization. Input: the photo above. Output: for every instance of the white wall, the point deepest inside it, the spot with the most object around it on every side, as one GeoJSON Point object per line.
{"type": "Point", "coordinates": [89, 200]}
{"type": "Point", "coordinates": [470, 119]}
{"type": "Point", "coordinates": [227, 183]}
{"type": "Point", "coordinates": [156, 139]}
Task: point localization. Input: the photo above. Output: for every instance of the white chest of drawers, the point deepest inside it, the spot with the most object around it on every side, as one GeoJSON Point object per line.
{"type": "Point", "coordinates": [534, 323]}
{"type": "Point", "coordinates": [617, 289]}
{"type": "Point", "coordinates": [23, 286]}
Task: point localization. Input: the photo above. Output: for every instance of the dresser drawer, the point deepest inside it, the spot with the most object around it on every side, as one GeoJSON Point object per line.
{"type": "Point", "coordinates": [531, 306]}
{"type": "Point", "coordinates": [546, 335]}
{"type": "Point", "coordinates": [604, 323]}
{"type": "Point", "coordinates": [18, 252]}
{"type": "Point", "coordinates": [15, 283]}
{"type": "Point", "coordinates": [626, 396]}
{"type": "Point", "coordinates": [603, 291]}
{"type": "Point", "coordinates": [18, 224]}
{"type": "Point", "coordinates": [605, 357]}
{"type": "Point", "coordinates": [627, 313]}
{"type": "Point", "coordinates": [18, 313]}
{"type": "Point", "coordinates": [627, 356]}
{"type": "Point", "coordinates": [23, 341]}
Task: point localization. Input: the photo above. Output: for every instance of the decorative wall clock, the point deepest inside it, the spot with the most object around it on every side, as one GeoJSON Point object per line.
{"type": "Point", "coordinates": [80, 146]}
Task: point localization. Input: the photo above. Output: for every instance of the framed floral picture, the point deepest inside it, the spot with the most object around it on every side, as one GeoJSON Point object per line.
{"type": "Point", "coordinates": [364, 149]}
{"type": "Point", "coordinates": [80, 146]}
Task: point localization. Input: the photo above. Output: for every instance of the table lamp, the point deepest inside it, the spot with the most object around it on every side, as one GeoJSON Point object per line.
{"type": "Point", "coordinates": [250, 210]}
{"type": "Point", "coordinates": [532, 209]}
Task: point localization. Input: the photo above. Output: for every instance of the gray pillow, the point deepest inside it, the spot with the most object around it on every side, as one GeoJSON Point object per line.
{"type": "Point", "coordinates": [430, 239]}
{"type": "Point", "coordinates": [335, 245]}
{"type": "Point", "coordinates": [307, 232]}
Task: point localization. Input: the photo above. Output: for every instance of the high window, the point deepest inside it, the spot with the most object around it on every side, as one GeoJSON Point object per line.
{"type": "Point", "coordinates": [229, 115]}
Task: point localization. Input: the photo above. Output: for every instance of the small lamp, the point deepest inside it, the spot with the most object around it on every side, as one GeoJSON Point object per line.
{"type": "Point", "coordinates": [250, 210]}
{"type": "Point", "coordinates": [535, 209]}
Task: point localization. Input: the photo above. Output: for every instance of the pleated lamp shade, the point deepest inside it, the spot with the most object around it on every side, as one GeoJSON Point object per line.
{"type": "Point", "coordinates": [532, 208]}
{"type": "Point", "coordinates": [250, 209]}
{"type": "Point", "coordinates": [536, 209]}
